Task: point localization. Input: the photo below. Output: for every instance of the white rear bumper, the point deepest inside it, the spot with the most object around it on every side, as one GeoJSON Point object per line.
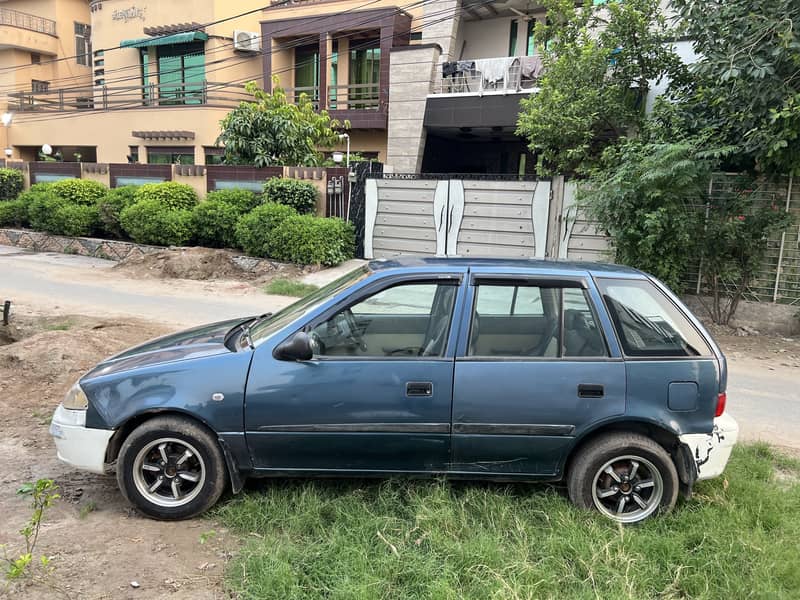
{"type": "Point", "coordinates": [77, 445]}
{"type": "Point", "coordinates": [711, 451]}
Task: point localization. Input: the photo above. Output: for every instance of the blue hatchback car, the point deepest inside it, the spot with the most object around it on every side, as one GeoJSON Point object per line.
{"type": "Point", "coordinates": [508, 370]}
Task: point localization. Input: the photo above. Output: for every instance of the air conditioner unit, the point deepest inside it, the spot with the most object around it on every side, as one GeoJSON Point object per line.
{"type": "Point", "coordinates": [246, 41]}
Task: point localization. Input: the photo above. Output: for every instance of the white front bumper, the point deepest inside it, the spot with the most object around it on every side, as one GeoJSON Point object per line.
{"type": "Point", "coordinates": [78, 445]}
{"type": "Point", "coordinates": [711, 451]}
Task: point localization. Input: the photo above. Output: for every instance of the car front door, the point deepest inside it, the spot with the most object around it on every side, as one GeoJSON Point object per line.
{"type": "Point", "coordinates": [377, 394]}
{"type": "Point", "coordinates": [533, 371]}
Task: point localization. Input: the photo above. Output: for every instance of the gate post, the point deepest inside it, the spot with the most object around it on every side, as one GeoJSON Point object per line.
{"type": "Point", "coordinates": [783, 244]}
{"type": "Point", "coordinates": [552, 248]}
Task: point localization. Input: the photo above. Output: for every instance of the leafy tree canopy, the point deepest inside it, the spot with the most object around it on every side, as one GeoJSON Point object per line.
{"type": "Point", "coordinates": [598, 65]}
{"type": "Point", "coordinates": [271, 130]}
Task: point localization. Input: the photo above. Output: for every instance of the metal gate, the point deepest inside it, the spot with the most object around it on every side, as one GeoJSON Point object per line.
{"type": "Point", "coordinates": [456, 217]}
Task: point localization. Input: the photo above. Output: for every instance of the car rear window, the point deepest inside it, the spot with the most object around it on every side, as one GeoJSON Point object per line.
{"type": "Point", "coordinates": [648, 323]}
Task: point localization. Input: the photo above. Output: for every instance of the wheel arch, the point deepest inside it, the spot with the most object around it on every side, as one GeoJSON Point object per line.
{"type": "Point", "coordinates": [129, 425]}
{"type": "Point", "coordinates": [663, 436]}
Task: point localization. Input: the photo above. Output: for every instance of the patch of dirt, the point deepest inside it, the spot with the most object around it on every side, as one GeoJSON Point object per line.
{"type": "Point", "coordinates": [97, 542]}
{"type": "Point", "coordinates": [777, 350]}
{"type": "Point", "coordinates": [205, 264]}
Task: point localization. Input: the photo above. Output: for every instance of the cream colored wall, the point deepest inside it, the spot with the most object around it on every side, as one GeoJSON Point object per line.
{"type": "Point", "coordinates": [315, 9]}
{"type": "Point", "coordinates": [366, 141]}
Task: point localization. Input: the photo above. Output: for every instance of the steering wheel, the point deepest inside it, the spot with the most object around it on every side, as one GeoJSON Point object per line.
{"type": "Point", "coordinates": [352, 331]}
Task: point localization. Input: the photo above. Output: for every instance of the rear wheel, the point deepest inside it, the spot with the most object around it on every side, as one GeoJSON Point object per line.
{"type": "Point", "coordinates": [625, 476]}
{"type": "Point", "coordinates": [171, 468]}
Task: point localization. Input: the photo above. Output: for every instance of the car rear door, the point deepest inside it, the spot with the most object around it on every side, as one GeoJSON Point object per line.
{"type": "Point", "coordinates": [533, 371]}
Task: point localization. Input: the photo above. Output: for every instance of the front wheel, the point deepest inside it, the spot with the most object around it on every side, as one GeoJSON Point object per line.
{"type": "Point", "coordinates": [625, 476]}
{"type": "Point", "coordinates": [171, 468]}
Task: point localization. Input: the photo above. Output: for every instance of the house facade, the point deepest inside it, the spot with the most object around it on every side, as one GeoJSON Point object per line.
{"type": "Point", "coordinates": [425, 86]}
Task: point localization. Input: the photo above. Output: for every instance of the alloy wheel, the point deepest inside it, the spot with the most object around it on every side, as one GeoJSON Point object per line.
{"type": "Point", "coordinates": [627, 489]}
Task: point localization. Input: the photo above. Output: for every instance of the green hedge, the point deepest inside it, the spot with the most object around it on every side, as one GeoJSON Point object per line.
{"type": "Point", "coordinates": [149, 221]}
{"type": "Point", "coordinates": [177, 196]}
{"type": "Point", "coordinates": [13, 213]}
{"type": "Point", "coordinates": [306, 240]}
{"type": "Point", "coordinates": [51, 213]}
{"type": "Point", "coordinates": [110, 208]}
{"type": "Point", "coordinates": [244, 200]}
{"type": "Point", "coordinates": [214, 223]}
{"type": "Point", "coordinates": [300, 195]}
{"type": "Point", "coordinates": [11, 184]}
{"type": "Point", "coordinates": [83, 192]}
{"type": "Point", "coordinates": [254, 230]}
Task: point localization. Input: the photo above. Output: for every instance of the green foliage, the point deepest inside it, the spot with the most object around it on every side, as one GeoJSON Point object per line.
{"type": "Point", "coordinates": [598, 62]}
{"type": "Point", "coordinates": [736, 238]}
{"type": "Point", "coordinates": [244, 200]}
{"type": "Point", "coordinates": [13, 213]}
{"type": "Point", "coordinates": [272, 130]}
{"type": "Point", "coordinates": [214, 223]}
{"type": "Point", "coordinates": [152, 221]}
{"type": "Point", "coordinates": [309, 240]}
{"type": "Point", "coordinates": [744, 90]}
{"type": "Point", "coordinates": [61, 216]}
{"type": "Point", "coordinates": [287, 287]}
{"type": "Point", "coordinates": [646, 198]}
{"type": "Point", "coordinates": [254, 230]}
{"type": "Point", "coordinates": [300, 195]}
{"type": "Point", "coordinates": [11, 183]}
{"type": "Point", "coordinates": [33, 201]}
{"type": "Point", "coordinates": [83, 192]}
{"type": "Point", "coordinates": [432, 539]}
{"type": "Point", "coordinates": [172, 195]}
{"type": "Point", "coordinates": [111, 206]}
{"type": "Point", "coordinates": [43, 494]}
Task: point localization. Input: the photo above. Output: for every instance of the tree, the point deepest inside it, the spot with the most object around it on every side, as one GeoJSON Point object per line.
{"type": "Point", "coordinates": [270, 130]}
{"type": "Point", "coordinates": [598, 64]}
{"type": "Point", "coordinates": [745, 87]}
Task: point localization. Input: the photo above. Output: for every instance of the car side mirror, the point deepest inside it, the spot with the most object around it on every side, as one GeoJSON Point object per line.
{"type": "Point", "coordinates": [297, 347]}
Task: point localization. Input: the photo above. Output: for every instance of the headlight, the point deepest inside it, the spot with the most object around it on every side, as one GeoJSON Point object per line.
{"type": "Point", "coordinates": [75, 399]}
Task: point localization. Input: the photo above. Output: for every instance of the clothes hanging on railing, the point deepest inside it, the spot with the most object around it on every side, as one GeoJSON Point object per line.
{"type": "Point", "coordinates": [495, 70]}
{"type": "Point", "coordinates": [457, 67]}
{"type": "Point", "coordinates": [531, 66]}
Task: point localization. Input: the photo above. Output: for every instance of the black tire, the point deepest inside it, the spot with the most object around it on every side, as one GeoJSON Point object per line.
{"type": "Point", "coordinates": [191, 480]}
{"type": "Point", "coordinates": [606, 464]}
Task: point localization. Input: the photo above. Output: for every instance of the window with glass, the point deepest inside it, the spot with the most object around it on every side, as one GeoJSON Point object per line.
{"type": "Point", "coordinates": [648, 324]}
{"type": "Point", "coordinates": [530, 46]}
{"type": "Point", "coordinates": [364, 76]}
{"type": "Point", "coordinates": [181, 73]}
{"type": "Point", "coordinates": [521, 320]}
{"type": "Point", "coordinates": [403, 321]}
{"type": "Point", "coordinates": [39, 86]}
{"type": "Point", "coordinates": [512, 38]}
{"type": "Point", "coordinates": [306, 72]}
{"type": "Point", "coordinates": [144, 67]}
{"type": "Point", "coordinates": [83, 44]}
{"type": "Point", "coordinates": [170, 156]}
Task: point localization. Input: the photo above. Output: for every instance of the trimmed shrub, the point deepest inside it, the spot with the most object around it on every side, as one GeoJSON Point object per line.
{"type": "Point", "coordinates": [244, 200]}
{"type": "Point", "coordinates": [307, 240]}
{"type": "Point", "coordinates": [149, 221]}
{"type": "Point", "coordinates": [54, 214]}
{"type": "Point", "coordinates": [254, 230]}
{"type": "Point", "coordinates": [84, 192]}
{"type": "Point", "coordinates": [13, 213]}
{"type": "Point", "coordinates": [169, 194]}
{"type": "Point", "coordinates": [11, 184]}
{"type": "Point", "coordinates": [110, 208]}
{"type": "Point", "coordinates": [300, 195]}
{"type": "Point", "coordinates": [214, 223]}
{"type": "Point", "coordinates": [39, 202]}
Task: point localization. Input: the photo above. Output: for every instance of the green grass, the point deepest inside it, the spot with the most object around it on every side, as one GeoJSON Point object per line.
{"type": "Point", "coordinates": [738, 537]}
{"type": "Point", "coordinates": [66, 326]}
{"type": "Point", "coordinates": [287, 287]}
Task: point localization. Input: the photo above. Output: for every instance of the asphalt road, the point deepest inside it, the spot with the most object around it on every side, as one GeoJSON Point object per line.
{"type": "Point", "coordinates": [764, 398]}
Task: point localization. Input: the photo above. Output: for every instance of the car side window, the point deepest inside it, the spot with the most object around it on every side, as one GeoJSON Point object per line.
{"type": "Point", "coordinates": [406, 320]}
{"type": "Point", "coordinates": [515, 320]}
{"type": "Point", "coordinates": [647, 322]}
{"type": "Point", "coordinates": [582, 335]}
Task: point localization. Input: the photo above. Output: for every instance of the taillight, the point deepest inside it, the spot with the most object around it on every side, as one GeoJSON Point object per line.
{"type": "Point", "coordinates": [722, 399]}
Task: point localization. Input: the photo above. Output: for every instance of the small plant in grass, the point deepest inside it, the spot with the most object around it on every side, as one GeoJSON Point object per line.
{"type": "Point", "coordinates": [87, 508]}
{"type": "Point", "coordinates": [44, 493]}
{"type": "Point", "coordinates": [287, 287]}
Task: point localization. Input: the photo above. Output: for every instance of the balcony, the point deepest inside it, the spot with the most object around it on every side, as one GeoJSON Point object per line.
{"type": "Point", "coordinates": [106, 98]}
{"type": "Point", "coordinates": [22, 20]}
{"type": "Point", "coordinates": [359, 103]}
{"type": "Point", "coordinates": [27, 32]}
{"type": "Point", "coordinates": [482, 76]}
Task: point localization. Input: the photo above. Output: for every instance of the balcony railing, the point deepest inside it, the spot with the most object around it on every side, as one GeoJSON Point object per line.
{"type": "Point", "coordinates": [222, 95]}
{"type": "Point", "coordinates": [514, 74]}
{"type": "Point", "coordinates": [355, 96]}
{"type": "Point", "coordinates": [22, 20]}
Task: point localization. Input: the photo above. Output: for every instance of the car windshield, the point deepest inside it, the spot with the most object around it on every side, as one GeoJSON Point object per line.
{"type": "Point", "coordinates": [266, 327]}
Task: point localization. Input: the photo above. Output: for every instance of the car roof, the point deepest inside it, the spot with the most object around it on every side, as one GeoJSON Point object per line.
{"type": "Point", "coordinates": [550, 266]}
